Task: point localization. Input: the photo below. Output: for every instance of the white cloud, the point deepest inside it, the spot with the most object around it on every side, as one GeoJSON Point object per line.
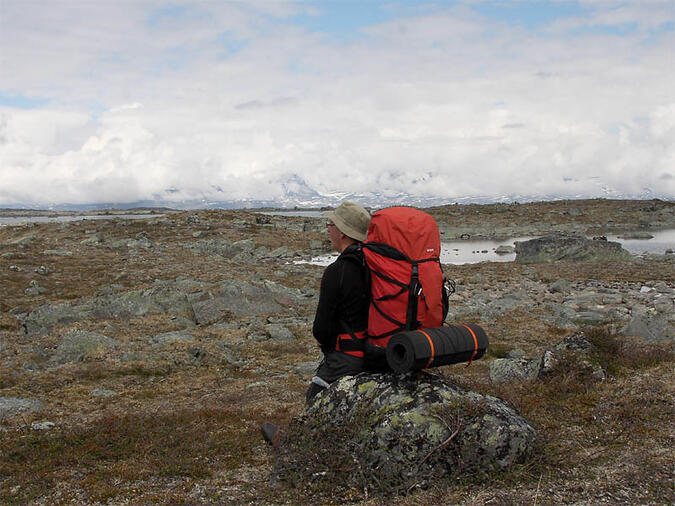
{"type": "Point", "coordinates": [227, 100]}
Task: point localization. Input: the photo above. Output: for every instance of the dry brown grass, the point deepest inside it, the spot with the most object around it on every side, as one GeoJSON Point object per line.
{"type": "Point", "coordinates": [179, 432]}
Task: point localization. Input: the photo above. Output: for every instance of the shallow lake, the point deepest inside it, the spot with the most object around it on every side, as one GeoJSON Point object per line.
{"type": "Point", "coordinates": [474, 251]}
{"type": "Point", "coordinates": [15, 220]}
{"type": "Point", "coordinates": [299, 212]}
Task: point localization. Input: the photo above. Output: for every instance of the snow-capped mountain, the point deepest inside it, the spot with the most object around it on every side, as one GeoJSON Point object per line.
{"type": "Point", "coordinates": [296, 193]}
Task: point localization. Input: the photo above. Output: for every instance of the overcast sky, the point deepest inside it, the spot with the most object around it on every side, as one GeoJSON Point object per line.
{"type": "Point", "coordinates": [126, 100]}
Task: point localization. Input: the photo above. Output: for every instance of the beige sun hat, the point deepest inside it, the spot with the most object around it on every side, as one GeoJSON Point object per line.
{"type": "Point", "coordinates": [351, 219]}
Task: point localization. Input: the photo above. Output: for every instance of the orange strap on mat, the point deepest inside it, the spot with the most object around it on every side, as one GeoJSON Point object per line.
{"type": "Point", "coordinates": [431, 345]}
{"type": "Point", "coordinates": [475, 343]}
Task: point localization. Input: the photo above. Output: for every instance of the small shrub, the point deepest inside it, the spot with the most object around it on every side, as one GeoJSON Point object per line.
{"type": "Point", "coordinates": [617, 353]}
{"type": "Point", "coordinates": [324, 457]}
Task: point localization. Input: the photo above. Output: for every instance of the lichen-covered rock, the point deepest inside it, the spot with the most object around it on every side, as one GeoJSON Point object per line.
{"type": "Point", "coordinates": [576, 248]}
{"type": "Point", "coordinates": [560, 286]}
{"type": "Point", "coordinates": [153, 300]}
{"type": "Point", "coordinates": [209, 309]}
{"type": "Point", "coordinates": [77, 344]}
{"type": "Point", "coordinates": [387, 433]}
{"type": "Point", "coordinates": [244, 299]}
{"type": "Point", "coordinates": [278, 332]}
{"type": "Point", "coordinates": [503, 370]}
{"type": "Point", "coordinates": [168, 338]}
{"type": "Point", "coordinates": [41, 319]}
{"type": "Point", "coordinates": [289, 297]}
{"type": "Point", "coordinates": [573, 351]}
{"type": "Point", "coordinates": [34, 288]}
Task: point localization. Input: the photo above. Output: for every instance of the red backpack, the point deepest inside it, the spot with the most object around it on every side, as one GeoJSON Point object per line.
{"type": "Point", "coordinates": [402, 252]}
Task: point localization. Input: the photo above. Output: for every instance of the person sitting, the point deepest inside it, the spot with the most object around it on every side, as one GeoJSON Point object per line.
{"type": "Point", "coordinates": [342, 313]}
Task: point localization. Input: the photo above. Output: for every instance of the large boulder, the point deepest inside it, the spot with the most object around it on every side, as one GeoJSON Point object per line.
{"type": "Point", "coordinates": [168, 338]}
{"type": "Point", "coordinates": [388, 433]}
{"type": "Point", "coordinates": [41, 319]}
{"type": "Point", "coordinates": [78, 344]}
{"type": "Point", "coordinates": [649, 327]}
{"type": "Point", "coordinates": [569, 247]}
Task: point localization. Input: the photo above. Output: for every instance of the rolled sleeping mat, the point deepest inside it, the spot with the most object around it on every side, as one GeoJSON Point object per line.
{"type": "Point", "coordinates": [414, 350]}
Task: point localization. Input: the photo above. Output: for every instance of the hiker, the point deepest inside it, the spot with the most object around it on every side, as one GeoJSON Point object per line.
{"type": "Point", "coordinates": [342, 313]}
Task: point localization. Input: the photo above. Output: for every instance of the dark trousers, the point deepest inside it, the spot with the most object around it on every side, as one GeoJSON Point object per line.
{"type": "Point", "coordinates": [335, 365]}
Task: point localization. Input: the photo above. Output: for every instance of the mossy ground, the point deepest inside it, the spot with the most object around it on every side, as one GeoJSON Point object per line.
{"type": "Point", "coordinates": [183, 433]}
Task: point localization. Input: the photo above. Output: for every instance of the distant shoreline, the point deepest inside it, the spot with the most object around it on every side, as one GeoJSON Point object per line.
{"type": "Point", "coordinates": [84, 210]}
{"type": "Point", "coordinates": [25, 213]}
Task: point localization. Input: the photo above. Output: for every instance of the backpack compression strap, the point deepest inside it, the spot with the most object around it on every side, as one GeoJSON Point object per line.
{"type": "Point", "coordinates": [413, 287]}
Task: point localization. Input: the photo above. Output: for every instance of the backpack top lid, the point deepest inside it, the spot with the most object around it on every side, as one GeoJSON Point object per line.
{"type": "Point", "coordinates": [409, 230]}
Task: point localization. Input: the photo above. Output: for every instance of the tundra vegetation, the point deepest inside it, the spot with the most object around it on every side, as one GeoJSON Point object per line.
{"type": "Point", "coordinates": [138, 359]}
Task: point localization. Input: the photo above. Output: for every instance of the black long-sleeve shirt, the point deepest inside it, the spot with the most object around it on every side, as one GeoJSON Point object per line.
{"type": "Point", "coordinates": [344, 297]}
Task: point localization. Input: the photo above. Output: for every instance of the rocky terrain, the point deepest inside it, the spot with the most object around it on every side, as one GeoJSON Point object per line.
{"type": "Point", "coordinates": [138, 358]}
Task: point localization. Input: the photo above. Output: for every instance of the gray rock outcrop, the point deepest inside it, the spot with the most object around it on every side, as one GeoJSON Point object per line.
{"type": "Point", "coordinates": [503, 370]}
{"type": "Point", "coordinates": [168, 338]}
{"type": "Point", "coordinates": [190, 300]}
{"type": "Point", "coordinates": [234, 298]}
{"type": "Point", "coordinates": [77, 344]}
{"type": "Point", "coordinates": [560, 286]}
{"type": "Point", "coordinates": [41, 319]}
{"type": "Point", "coordinates": [154, 300]}
{"type": "Point", "coordinates": [278, 332]}
{"type": "Point", "coordinates": [649, 327]}
{"type": "Point", "coordinates": [10, 406]}
{"type": "Point", "coordinates": [570, 247]}
{"type": "Point", "coordinates": [394, 432]}
{"type": "Point", "coordinates": [505, 249]}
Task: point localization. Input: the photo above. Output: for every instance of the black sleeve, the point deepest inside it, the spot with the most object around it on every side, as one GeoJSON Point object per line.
{"type": "Point", "coordinates": [343, 301]}
{"type": "Point", "coordinates": [325, 326]}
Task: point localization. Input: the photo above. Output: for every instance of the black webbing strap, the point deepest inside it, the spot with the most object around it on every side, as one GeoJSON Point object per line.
{"type": "Point", "coordinates": [390, 318]}
{"type": "Point", "coordinates": [393, 295]}
{"type": "Point", "coordinates": [352, 345]}
{"type": "Point", "coordinates": [413, 294]}
{"type": "Point", "coordinates": [355, 343]}
{"type": "Point", "coordinates": [391, 280]}
{"type": "Point", "coordinates": [386, 250]}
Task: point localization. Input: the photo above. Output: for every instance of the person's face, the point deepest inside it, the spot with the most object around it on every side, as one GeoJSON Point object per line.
{"type": "Point", "coordinates": [335, 235]}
